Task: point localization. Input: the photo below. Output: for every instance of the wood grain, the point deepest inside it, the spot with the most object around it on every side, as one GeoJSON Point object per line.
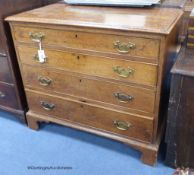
{"type": "Point", "coordinates": [180, 112]}
{"type": "Point", "coordinates": [91, 65]}
{"type": "Point", "coordinates": [144, 47]}
{"type": "Point", "coordinates": [154, 20]}
{"type": "Point", "coordinates": [85, 88]}
{"type": "Point", "coordinates": [95, 117]}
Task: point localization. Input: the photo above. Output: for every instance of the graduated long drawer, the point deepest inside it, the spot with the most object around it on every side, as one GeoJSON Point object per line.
{"type": "Point", "coordinates": [91, 41]}
{"type": "Point", "coordinates": [118, 69]}
{"type": "Point", "coordinates": [124, 124]}
{"type": "Point", "coordinates": [87, 88]}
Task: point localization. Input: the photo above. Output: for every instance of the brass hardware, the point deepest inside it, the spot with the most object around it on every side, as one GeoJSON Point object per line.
{"type": "Point", "coordinates": [122, 125]}
{"type": "Point", "coordinates": [123, 98]}
{"type": "Point", "coordinates": [36, 58]}
{"type": "Point", "coordinates": [124, 47]}
{"type": "Point", "coordinates": [47, 106]}
{"type": "Point", "coordinates": [44, 81]}
{"type": "Point", "coordinates": [123, 72]}
{"type": "Point", "coordinates": [2, 95]}
{"type": "Point", "coordinates": [37, 37]}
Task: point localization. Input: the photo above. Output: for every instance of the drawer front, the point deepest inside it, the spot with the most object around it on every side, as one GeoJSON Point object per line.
{"type": "Point", "coordinates": [119, 123]}
{"type": "Point", "coordinates": [118, 69]}
{"type": "Point", "coordinates": [107, 43]}
{"type": "Point", "coordinates": [8, 96]}
{"type": "Point", "coordinates": [5, 72]}
{"type": "Point", "coordinates": [108, 92]}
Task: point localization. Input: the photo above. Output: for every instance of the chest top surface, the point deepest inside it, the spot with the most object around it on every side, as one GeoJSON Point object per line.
{"type": "Point", "coordinates": [153, 20]}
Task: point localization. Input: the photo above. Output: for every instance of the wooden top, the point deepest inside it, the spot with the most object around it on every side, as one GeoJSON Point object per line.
{"type": "Point", "coordinates": [154, 20]}
{"type": "Point", "coordinates": [185, 63]}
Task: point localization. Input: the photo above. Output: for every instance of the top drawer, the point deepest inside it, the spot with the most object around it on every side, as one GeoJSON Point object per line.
{"type": "Point", "coordinates": [106, 43]}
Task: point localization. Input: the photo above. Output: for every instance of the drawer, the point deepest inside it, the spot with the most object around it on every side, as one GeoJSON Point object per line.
{"type": "Point", "coordinates": [118, 69]}
{"type": "Point", "coordinates": [88, 88]}
{"type": "Point", "coordinates": [106, 43]}
{"type": "Point", "coordinates": [123, 124]}
{"type": "Point", "coordinates": [5, 72]}
{"type": "Point", "coordinates": [8, 96]}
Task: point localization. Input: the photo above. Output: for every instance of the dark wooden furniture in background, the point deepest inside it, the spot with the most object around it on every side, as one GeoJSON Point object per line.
{"type": "Point", "coordinates": [180, 124]}
{"type": "Point", "coordinates": [190, 38]}
{"type": "Point", "coordinates": [186, 6]}
{"type": "Point", "coordinates": [12, 97]}
{"type": "Point", "coordinates": [104, 71]}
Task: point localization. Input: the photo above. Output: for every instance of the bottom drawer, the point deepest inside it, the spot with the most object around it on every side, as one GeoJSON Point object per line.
{"type": "Point", "coordinates": [126, 125]}
{"type": "Point", "coordinates": [8, 96]}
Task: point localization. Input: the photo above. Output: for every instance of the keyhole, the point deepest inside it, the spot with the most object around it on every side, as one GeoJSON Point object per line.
{"type": "Point", "coordinates": [76, 36]}
{"type": "Point", "coordinates": [78, 57]}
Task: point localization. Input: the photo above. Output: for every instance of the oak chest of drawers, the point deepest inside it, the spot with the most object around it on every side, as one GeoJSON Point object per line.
{"type": "Point", "coordinates": [103, 69]}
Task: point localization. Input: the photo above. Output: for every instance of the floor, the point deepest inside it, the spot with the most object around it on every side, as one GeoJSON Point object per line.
{"type": "Point", "coordinates": [57, 150]}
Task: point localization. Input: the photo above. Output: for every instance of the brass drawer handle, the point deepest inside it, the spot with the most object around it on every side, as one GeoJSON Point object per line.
{"type": "Point", "coordinates": [2, 95]}
{"type": "Point", "coordinates": [44, 81]}
{"type": "Point", "coordinates": [37, 37]}
{"type": "Point", "coordinates": [122, 125]}
{"type": "Point", "coordinates": [123, 72]}
{"type": "Point", "coordinates": [124, 47]}
{"type": "Point", "coordinates": [47, 106]}
{"type": "Point", "coordinates": [123, 98]}
{"type": "Point", "coordinates": [36, 58]}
